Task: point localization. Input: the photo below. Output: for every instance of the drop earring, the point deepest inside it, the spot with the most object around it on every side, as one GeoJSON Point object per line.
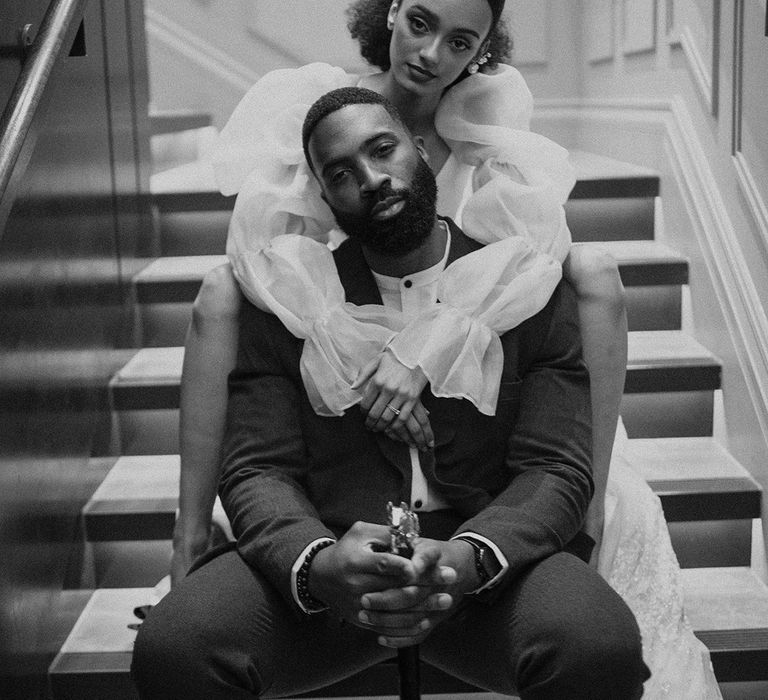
{"type": "Point", "coordinates": [473, 67]}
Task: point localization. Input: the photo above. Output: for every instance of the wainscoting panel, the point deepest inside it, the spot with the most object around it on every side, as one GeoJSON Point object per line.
{"type": "Point", "coordinates": [639, 26]}
{"type": "Point", "coordinates": [598, 30]}
{"type": "Point", "coordinates": [750, 100]}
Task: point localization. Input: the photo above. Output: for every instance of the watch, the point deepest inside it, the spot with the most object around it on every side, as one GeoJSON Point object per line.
{"type": "Point", "coordinates": [486, 563]}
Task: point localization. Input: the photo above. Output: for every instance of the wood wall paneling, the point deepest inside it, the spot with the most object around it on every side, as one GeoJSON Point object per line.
{"type": "Point", "coordinates": [530, 24]}
{"type": "Point", "coordinates": [599, 35]}
{"type": "Point", "coordinates": [750, 103]}
{"type": "Point", "coordinates": [694, 25]}
{"type": "Point", "coordinates": [304, 31]}
{"type": "Point", "coordinates": [639, 34]}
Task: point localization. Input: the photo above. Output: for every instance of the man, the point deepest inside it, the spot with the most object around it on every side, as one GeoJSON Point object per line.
{"type": "Point", "coordinates": [310, 595]}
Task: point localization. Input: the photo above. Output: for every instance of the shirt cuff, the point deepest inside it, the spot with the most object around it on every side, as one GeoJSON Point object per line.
{"type": "Point", "coordinates": [295, 572]}
{"type": "Point", "coordinates": [500, 558]}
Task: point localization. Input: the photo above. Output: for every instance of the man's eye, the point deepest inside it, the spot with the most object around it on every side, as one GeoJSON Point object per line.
{"type": "Point", "coordinates": [418, 25]}
{"type": "Point", "coordinates": [384, 149]}
{"type": "Point", "coordinates": [338, 176]}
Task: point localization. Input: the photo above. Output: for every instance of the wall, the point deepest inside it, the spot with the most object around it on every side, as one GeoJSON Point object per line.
{"type": "Point", "coordinates": [679, 85]}
{"type": "Point", "coordinates": [72, 226]}
{"type": "Point", "coordinates": [204, 54]}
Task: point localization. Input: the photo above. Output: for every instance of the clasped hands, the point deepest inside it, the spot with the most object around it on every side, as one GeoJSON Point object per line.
{"type": "Point", "coordinates": [391, 401]}
{"type": "Point", "coordinates": [401, 600]}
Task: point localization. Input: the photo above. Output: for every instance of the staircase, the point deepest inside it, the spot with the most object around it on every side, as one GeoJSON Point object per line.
{"type": "Point", "coordinates": [709, 499]}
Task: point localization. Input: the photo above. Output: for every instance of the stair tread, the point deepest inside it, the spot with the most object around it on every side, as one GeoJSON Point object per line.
{"type": "Point", "coordinates": [591, 168]}
{"type": "Point", "coordinates": [695, 468]}
{"type": "Point", "coordinates": [164, 121]}
{"type": "Point", "coordinates": [646, 349]}
{"type": "Point", "coordinates": [716, 600]}
{"type": "Point", "coordinates": [650, 261]}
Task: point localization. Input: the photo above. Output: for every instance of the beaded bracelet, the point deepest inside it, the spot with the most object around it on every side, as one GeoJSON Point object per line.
{"type": "Point", "coordinates": [309, 602]}
{"type": "Point", "coordinates": [482, 574]}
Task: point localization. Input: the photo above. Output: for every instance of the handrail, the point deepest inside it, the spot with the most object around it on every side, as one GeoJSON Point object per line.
{"type": "Point", "coordinates": [30, 85]}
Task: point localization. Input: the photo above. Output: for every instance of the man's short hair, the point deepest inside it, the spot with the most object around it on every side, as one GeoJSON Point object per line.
{"type": "Point", "coordinates": [336, 99]}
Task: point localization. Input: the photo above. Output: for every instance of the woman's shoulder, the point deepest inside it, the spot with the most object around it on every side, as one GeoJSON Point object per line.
{"type": "Point", "coordinates": [265, 127]}
{"type": "Point", "coordinates": [499, 97]}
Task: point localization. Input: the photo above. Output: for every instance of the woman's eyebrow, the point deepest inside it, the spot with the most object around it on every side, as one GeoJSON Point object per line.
{"type": "Point", "coordinates": [432, 17]}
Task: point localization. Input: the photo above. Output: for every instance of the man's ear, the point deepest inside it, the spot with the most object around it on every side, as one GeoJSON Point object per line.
{"type": "Point", "coordinates": [419, 141]}
{"type": "Point", "coordinates": [393, 8]}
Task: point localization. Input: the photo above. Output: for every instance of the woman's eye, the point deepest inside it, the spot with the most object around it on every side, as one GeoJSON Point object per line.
{"type": "Point", "coordinates": [460, 45]}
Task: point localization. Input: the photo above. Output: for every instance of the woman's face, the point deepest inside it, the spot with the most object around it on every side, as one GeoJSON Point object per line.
{"type": "Point", "coordinates": [433, 41]}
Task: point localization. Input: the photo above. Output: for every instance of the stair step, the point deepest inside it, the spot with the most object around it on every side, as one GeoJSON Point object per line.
{"type": "Point", "coordinates": [659, 361]}
{"type": "Point", "coordinates": [192, 187]}
{"type": "Point", "coordinates": [177, 279]}
{"type": "Point", "coordinates": [728, 609]}
{"type": "Point", "coordinates": [603, 177]}
{"type": "Point", "coordinates": [174, 120]}
{"type": "Point", "coordinates": [695, 478]}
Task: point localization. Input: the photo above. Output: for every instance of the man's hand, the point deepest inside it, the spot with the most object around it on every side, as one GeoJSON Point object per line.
{"type": "Point", "coordinates": [391, 385]}
{"type": "Point", "coordinates": [442, 573]}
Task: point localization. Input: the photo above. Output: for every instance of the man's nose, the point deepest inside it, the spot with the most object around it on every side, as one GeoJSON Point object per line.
{"type": "Point", "coordinates": [372, 179]}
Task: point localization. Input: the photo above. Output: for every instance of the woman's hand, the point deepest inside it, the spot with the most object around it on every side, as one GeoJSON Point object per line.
{"type": "Point", "coordinates": [391, 401]}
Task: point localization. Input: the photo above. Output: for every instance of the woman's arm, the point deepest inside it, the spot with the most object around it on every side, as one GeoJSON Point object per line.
{"type": "Point", "coordinates": [209, 356]}
{"type": "Point", "coordinates": [603, 324]}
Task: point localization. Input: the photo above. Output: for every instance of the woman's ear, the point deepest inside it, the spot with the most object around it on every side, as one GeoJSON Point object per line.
{"type": "Point", "coordinates": [393, 8]}
{"type": "Point", "coordinates": [482, 50]}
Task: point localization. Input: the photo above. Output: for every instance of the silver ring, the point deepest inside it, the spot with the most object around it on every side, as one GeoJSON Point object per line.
{"type": "Point", "coordinates": [393, 409]}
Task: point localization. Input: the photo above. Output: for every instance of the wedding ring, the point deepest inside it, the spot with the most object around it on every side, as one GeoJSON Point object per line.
{"type": "Point", "coordinates": [393, 409]}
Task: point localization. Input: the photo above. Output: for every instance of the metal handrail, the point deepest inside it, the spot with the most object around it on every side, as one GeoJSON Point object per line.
{"type": "Point", "coordinates": [30, 85]}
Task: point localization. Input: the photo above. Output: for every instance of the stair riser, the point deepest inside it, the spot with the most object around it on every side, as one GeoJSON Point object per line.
{"type": "Point", "coordinates": [712, 543]}
{"type": "Point", "coordinates": [626, 219]}
{"type": "Point", "coordinates": [648, 309]}
{"type": "Point", "coordinates": [205, 232]}
{"type": "Point", "coordinates": [681, 414]}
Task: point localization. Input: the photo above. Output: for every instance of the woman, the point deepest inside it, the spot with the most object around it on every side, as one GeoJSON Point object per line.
{"type": "Point", "coordinates": [434, 72]}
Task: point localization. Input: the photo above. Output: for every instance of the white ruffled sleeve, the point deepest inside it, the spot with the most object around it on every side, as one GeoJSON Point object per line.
{"type": "Point", "coordinates": [521, 179]}
{"type": "Point", "coordinates": [296, 279]}
{"type": "Point", "coordinates": [259, 156]}
{"type": "Point", "coordinates": [456, 342]}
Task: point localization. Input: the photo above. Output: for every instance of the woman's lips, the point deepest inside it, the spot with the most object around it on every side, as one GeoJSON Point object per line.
{"type": "Point", "coordinates": [420, 74]}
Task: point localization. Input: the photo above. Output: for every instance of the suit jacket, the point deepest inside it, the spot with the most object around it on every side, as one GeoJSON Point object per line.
{"type": "Point", "coordinates": [521, 478]}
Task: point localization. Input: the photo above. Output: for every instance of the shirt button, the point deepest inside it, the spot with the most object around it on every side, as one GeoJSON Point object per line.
{"type": "Point", "coordinates": [407, 284]}
{"type": "Point", "coordinates": [418, 503]}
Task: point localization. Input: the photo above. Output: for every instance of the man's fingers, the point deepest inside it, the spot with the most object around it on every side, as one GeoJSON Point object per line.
{"type": "Point", "coordinates": [421, 416]}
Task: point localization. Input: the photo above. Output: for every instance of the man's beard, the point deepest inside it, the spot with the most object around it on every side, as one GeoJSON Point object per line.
{"type": "Point", "coordinates": [407, 230]}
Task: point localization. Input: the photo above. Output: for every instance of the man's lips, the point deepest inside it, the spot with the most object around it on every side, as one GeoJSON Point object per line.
{"type": "Point", "coordinates": [387, 208]}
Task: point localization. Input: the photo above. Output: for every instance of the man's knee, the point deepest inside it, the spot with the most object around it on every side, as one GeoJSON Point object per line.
{"type": "Point", "coordinates": [601, 653]}
{"type": "Point", "coordinates": [160, 656]}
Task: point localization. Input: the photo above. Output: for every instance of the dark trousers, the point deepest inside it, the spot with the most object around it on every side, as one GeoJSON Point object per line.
{"type": "Point", "coordinates": [560, 632]}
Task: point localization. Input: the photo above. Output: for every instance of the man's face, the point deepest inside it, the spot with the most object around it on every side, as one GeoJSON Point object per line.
{"type": "Point", "coordinates": [374, 178]}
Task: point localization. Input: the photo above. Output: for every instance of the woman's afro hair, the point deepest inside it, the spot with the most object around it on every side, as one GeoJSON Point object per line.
{"type": "Point", "coordinates": [367, 23]}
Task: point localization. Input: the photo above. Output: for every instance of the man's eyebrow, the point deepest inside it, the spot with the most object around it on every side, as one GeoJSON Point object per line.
{"type": "Point", "coordinates": [432, 17]}
{"type": "Point", "coordinates": [372, 139]}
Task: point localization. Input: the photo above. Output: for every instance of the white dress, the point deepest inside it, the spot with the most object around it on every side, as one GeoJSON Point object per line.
{"type": "Point", "coordinates": [505, 187]}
